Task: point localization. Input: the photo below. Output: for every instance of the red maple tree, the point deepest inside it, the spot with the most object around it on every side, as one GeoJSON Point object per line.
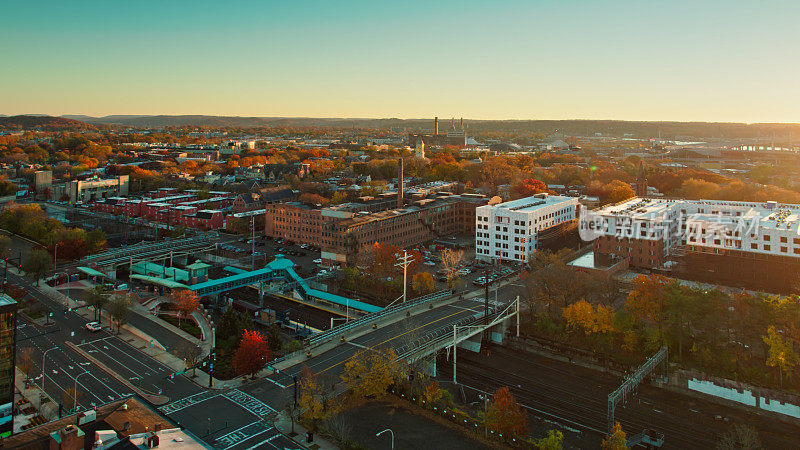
{"type": "Point", "coordinates": [252, 354]}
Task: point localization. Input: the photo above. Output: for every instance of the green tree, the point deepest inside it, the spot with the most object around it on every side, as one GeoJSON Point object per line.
{"type": "Point", "coordinates": [228, 325]}
{"type": "Point", "coordinates": [553, 441]}
{"type": "Point", "coordinates": [37, 264]}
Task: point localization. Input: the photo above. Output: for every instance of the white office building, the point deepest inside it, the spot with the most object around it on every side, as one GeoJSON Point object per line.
{"type": "Point", "coordinates": [511, 231]}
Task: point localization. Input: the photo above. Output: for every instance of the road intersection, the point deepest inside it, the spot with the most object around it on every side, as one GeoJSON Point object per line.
{"type": "Point", "coordinates": [239, 418]}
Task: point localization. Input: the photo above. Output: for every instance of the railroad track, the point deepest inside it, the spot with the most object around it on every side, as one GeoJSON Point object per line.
{"type": "Point", "coordinates": [550, 397]}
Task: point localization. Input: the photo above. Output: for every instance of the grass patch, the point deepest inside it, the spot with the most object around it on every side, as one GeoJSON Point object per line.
{"type": "Point", "coordinates": [186, 325]}
{"type": "Point", "coordinates": [34, 313]}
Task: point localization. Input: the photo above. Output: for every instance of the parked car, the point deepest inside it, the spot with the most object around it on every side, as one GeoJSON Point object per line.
{"type": "Point", "coordinates": [94, 327]}
{"type": "Point", "coordinates": [317, 261]}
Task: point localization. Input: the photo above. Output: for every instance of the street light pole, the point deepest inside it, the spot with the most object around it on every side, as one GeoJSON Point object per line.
{"type": "Point", "coordinates": [390, 432]}
{"type": "Point", "coordinates": [75, 392]}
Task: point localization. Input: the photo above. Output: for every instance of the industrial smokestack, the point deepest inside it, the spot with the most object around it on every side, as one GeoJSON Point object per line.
{"type": "Point", "coordinates": [435, 125]}
{"type": "Point", "coordinates": [400, 183]}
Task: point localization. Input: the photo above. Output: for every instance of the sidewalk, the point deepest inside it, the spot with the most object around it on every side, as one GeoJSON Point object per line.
{"type": "Point", "coordinates": [206, 342]}
{"type": "Point", "coordinates": [48, 409]}
{"type": "Point", "coordinates": [284, 424]}
{"type": "Point", "coordinates": [142, 341]}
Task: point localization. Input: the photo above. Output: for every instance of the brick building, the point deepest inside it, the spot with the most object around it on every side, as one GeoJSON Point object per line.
{"type": "Point", "coordinates": [293, 221]}
{"type": "Point", "coordinates": [342, 231]}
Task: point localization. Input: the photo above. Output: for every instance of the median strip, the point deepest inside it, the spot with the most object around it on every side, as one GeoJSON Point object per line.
{"type": "Point", "coordinates": [155, 399]}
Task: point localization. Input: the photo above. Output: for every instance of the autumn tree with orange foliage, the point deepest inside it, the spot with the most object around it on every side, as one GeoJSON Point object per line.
{"type": "Point", "coordinates": [186, 302]}
{"type": "Point", "coordinates": [614, 191]}
{"type": "Point", "coordinates": [313, 199]}
{"type": "Point", "coordinates": [616, 440]}
{"type": "Point", "coordinates": [505, 415]}
{"type": "Point", "coordinates": [252, 354]}
{"type": "Point", "coordinates": [370, 372]}
{"type": "Point", "coordinates": [645, 302]}
{"type": "Point", "coordinates": [310, 393]}
{"type": "Point", "coordinates": [582, 315]}
{"type": "Point", "coordinates": [432, 393]}
{"type": "Point", "coordinates": [381, 259]}
{"type": "Point", "coordinates": [422, 283]}
{"type": "Point", "coordinates": [528, 188]}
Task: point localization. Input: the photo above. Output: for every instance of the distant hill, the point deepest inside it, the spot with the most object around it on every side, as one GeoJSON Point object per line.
{"type": "Point", "coordinates": [49, 123]}
{"type": "Point", "coordinates": [617, 128]}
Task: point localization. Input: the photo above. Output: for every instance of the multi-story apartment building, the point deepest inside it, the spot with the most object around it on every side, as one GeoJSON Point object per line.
{"type": "Point", "coordinates": [92, 189]}
{"type": "Point", "coordinates": [8, 333]}
{"type": "Point", "coordinates": [741, 243]}
{"type": "Point", "coordinates": [511, 231]}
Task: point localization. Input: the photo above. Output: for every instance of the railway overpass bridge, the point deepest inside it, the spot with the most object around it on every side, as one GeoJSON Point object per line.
{"type": "Point", "coordinates": [108, 261]}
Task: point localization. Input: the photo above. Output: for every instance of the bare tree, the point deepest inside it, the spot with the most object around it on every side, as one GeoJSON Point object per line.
{"type": "Point", "coordinates": [120, 309]}
{"type": "Point", "coordinates": [451, 260]}
{"type": "Point", "coordinates": [190, 353]}
{"type": "Point", "coordinates": [740, 437]}
{"type": "Point", "coordinates": [339, 426]}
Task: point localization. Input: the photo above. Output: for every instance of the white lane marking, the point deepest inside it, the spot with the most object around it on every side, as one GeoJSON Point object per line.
{"type": "Point", "coordinates": [130, 356]}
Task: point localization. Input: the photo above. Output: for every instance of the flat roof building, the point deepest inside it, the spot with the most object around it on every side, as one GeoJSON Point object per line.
{"type": "Point", "coordinates": [511, 231]}
{"type": "Point", "coordinates": [92, 189]}
{"type": "Point", "coordinates": [748, 244]}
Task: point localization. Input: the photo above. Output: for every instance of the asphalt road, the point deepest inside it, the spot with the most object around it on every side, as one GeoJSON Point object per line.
{"type": "Point", "coordinates": [164, 336]}
{"type": "Point", "coordinates": [276, 391]}
{"type": "Point", "coordinates": [62, 365]}
{"type": "Point", "coordinates": [574, 398]}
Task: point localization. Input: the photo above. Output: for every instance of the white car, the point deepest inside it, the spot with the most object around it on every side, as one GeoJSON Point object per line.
{"type": "Point", "coordinates": [94, 327]}
{"type": "Point", "coordinates": [317, 261]}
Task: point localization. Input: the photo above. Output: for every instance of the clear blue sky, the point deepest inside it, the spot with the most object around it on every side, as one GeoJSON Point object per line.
{"type": "Point", "coordinates": [639, 60]}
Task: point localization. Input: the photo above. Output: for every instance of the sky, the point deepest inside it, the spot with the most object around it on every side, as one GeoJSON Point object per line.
{"type": "Point", "coordinates": [700, 60]}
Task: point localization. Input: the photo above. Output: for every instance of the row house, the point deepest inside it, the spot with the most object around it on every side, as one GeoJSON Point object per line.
{"type": "Point", "coordinates": [205, 219]}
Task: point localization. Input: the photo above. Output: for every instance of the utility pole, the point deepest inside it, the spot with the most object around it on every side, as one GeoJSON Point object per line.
{"type": "Point", "coordinates": [253, 241]}
{"type": "Point", "coordinates": [486, 300]}
{"type": "Point", "coordinates": [454, 355]}
{"type": "Point", "coordinates": [404, 262]}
